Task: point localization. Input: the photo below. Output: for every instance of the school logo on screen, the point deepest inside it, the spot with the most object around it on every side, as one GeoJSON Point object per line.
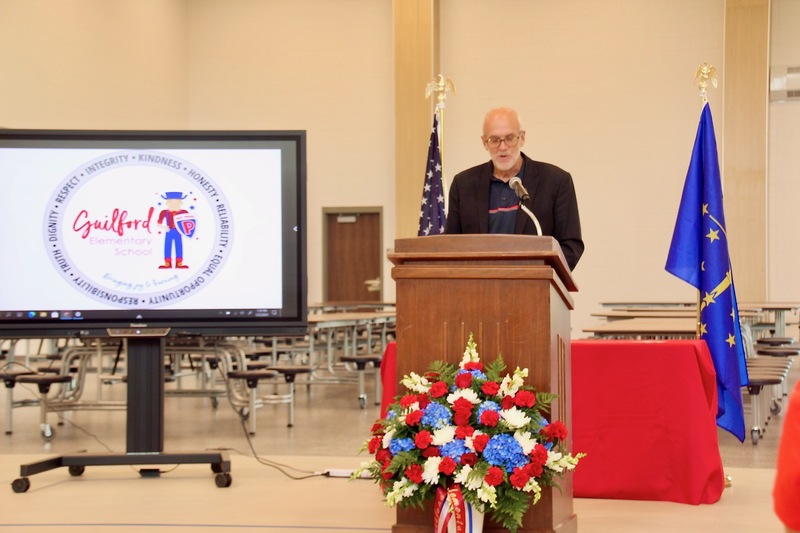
{"type": "Point", "coordinates": [138, 229]}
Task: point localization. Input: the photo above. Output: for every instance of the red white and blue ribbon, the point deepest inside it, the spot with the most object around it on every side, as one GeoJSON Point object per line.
{"type": "Point", "coordinates": [451, 514]}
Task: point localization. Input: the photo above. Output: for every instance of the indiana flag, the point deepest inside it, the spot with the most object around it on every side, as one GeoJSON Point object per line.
{"type": "Point", "coordinates": [431, 216]}
{"type": "Point", "coordinates": [699, 255]}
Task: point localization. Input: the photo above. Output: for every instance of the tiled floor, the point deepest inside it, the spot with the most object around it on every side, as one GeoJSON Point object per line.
{"type": "Point", "coordinates": [330, 428]}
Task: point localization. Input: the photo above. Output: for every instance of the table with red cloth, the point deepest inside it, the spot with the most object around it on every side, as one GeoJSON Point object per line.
{"type": "Point", "coordinates": [645, 413]}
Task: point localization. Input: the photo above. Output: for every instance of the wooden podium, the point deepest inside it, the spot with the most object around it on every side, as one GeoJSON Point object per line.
{"type": "Point", "coordinates": [512, 293]}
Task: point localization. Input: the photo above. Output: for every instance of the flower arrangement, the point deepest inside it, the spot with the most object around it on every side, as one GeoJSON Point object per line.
{"type": "Point", "coordinates": [469, 426]}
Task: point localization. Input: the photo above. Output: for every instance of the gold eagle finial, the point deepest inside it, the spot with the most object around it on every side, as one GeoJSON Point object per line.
{"type": "Point", "coordinates": [441, 86]}
{"type": "Point", "coordinates": [705, 73]}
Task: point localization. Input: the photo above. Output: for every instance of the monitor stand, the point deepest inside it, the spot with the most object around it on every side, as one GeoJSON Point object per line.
{"type": "Point", "coordinates": [145, 424]}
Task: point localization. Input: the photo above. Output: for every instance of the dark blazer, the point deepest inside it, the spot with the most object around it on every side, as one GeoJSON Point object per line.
{"type": "Point", "coordinates": [552, 201]}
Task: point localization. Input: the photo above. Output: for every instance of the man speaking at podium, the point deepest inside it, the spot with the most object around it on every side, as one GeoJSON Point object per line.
{"type": "Point", "coordinates": [512, 193]}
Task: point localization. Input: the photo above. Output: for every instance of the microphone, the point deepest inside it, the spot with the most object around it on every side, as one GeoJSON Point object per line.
{"type": "Point", "coordinates": [516, 184]}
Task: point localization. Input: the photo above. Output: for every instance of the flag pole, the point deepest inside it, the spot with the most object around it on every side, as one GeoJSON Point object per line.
{"type": "Point", "coordinates": [440, 86]}
{"type": "Point", "coordinates": [704, 75]}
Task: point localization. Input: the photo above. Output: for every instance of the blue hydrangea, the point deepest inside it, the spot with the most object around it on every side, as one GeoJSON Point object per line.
{"type": "Point", "coordinates": [487, 406]}
{"type": "Point", "coordinates": [476, 374]}
{"type": "Point", "coordinates": [454, 449]}
{"type": "Point", "coordinates": [436, 416]}
{"type": "Point", "coordinates": [401, 445]}
{"type": "Point", "coordinates": [503, 450]}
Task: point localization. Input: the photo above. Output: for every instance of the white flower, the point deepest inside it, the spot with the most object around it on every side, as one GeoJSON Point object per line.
{"type": "Point", "coordinates": [559, 462]}
{"type": "Point", "coordinates": [400, 490]}
{"type": "Point", "coordinates": [515, 418]}
{"type": "Point", "coordinates": [470, 353]}
{"type": "Point", "coordinates": [526, 440]}
{"type": "Point", "coordinates": [533, 486]}
{"type": "Point", "coordinates": [487, 494]}
{"type": "Point", "coordinates": [416, 383]}
{"type": "Point", "coordinates": [430, 470]}
{"type": "Point", "coordinates": [468, 478]}
{"type": "Point", "coordinates": [387, 438]}
{"type": "Point", "coordinates": [510, 385]}
{"type": "Point", "coordinates": [468, 394]}
{"type": "Point", "coordinates": [443, 435]}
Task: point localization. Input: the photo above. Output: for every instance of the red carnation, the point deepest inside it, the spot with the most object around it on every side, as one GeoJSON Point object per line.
{"type": "Point", "coordinates": [462, 432]}
{"type": "Point", "coordinates": [519, 478]}
{"type": "Point", "coordinates": [479, 442]}
{"type": "Point", "coordinates": [431, 451]}
{"type": "Point", "coordinates": [375, 444]}
{"type": "Point", "coordinates": [414, 473]}
{"type": "Point", "coordinates": [556, 430]}
{"type": "Point", "coordinates": [533, 469]}
{"type": "Point", "coordinates": [377, 428]}
{"type": "Point", "coordinates": [424, 401]}
{"type": "Point", "coordinates": [462, 404]}
{"type": "Point", "coordinates": [525, 398]}
{"type": "Point", "coordinates": [494, 476]}
{"type": "Point", "coordinates": [413, 418]}
{"type": "Point", "coordinates": [490, 418]}
{"type": "Point", "coordinates": [469, 459]}
{"type": "Point", "coordinates": [539, 454]}
{"type": "Point", "coordinates": [383, 455]}
{"type": "Point", "coordinates": [473, 365]}
{"type": "Point", "coordinates": [490, 388]}
{"type": "Point", "coordinates": [463, 381]}
{"type": "Point", "coordinates": [407, 400]}
{"type": "Point", "coordinates": [423, 439]}
{"type": "Point", "coordinates": [438, 389]}
{"type": "Point", "coordinates": [447, 466]}
{"type": "Point", "coordinates": [461, 418]}
{"type": "Point", "coordinates": [507, 402]}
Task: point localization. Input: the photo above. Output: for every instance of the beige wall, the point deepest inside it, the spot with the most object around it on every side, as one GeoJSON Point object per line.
{"type": "Point", "coordinates": [93, 64]}
{"type": "Point", "coordinates": [313, 65]}
{"type": "Point", "coordinates": [606, 91]}
{"type": "Point", "coordinates": [605, 88]}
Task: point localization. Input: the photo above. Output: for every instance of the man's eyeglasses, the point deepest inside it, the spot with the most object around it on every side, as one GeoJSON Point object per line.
{"type": "Point", "coordinates": [510, 140]}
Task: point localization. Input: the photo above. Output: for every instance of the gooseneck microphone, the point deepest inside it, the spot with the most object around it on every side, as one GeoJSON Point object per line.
{"type": "Point", "coordinates": [516, 184]}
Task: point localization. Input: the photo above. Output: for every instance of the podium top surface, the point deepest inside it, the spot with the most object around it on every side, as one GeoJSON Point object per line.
{"type": "Point", "coordinates": [485, 247]}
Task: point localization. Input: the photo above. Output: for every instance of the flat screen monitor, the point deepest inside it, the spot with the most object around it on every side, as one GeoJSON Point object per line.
{"type": "Point", "coordinates": [152, 232]}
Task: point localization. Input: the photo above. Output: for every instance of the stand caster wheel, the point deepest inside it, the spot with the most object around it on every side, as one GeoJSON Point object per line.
{"type": "Point", "coordinates": [755, 435]}
{"type": "Point", "coordinates": [48, 433]}
{"type": "Point", "coordinates": [21, 484]}
{"type": "Point", "coordinates": [775, 407]}
{"type": "Point", "coordinates": [362, 401]}
{"type": "Point", "coordinates": [76, 470]}
{"type": "Point", "coordinates": [223, 479]}
{"type": "Point", "coordinates": [214, 403]}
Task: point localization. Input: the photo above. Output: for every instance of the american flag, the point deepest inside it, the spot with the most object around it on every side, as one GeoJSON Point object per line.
{"type": "Point", "coordinates": [431, 216]}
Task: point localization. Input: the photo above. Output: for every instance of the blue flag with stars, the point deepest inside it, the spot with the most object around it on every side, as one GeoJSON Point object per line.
{"type": "Point", "coordinates": [699, 255]}
{"type": "Point", "coordinates": [431, 216]}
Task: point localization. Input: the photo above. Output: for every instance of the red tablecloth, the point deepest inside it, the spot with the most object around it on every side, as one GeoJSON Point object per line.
{"type": "Point", "coordinates": [388, 376]}
{"type": "Point", "coordinates": [644, 412]}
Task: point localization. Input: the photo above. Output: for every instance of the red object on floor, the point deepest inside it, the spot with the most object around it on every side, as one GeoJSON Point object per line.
{"type": "Point", "coordinates": [645, 413]}
{"type": "Point", "coordinates": [388, 376]}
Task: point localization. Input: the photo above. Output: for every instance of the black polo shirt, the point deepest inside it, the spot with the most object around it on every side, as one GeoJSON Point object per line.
{"type": "Point", "coordinates": [503, 206]}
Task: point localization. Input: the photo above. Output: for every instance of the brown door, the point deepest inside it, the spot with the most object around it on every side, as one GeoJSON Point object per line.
{"type": "Point", "coordinates": [353, 257]}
